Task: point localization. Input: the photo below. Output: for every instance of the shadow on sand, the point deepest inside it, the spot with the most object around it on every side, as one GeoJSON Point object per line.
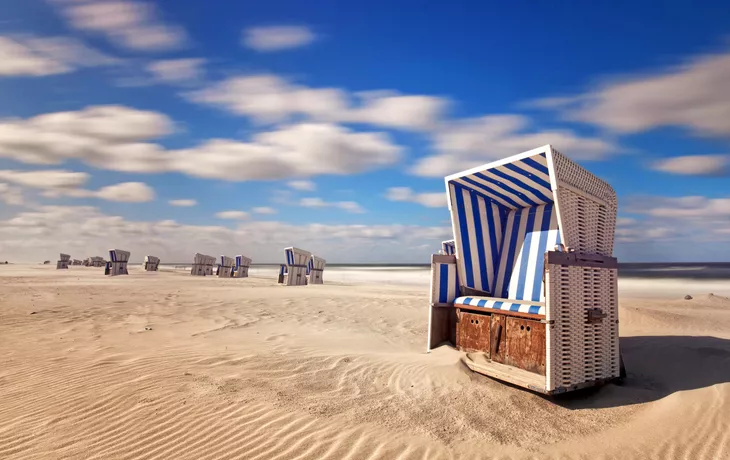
{"type": "Point", "coordinates": [657, 366]}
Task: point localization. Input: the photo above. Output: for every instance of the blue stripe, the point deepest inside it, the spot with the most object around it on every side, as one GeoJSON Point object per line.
{"type": "Point", "coordinates": [507, 269]}
{"type": "Point", "coordinates": [497, 305]}
{"type": "Point", "coordinates": [480, 241]}
{"type": "Point", "coordinates": [527, 242]}
{"type": "Point", "coordinates": [539, 266]}
{"type": "Point", "coordinates": [464, 228]}
{"type": "Point", "coordinates": [467, 300]}
{"type": "Point", "coordinates": [536, 165]}
{"type": "Point", "coordinates": [494, 251]}
{"type": "Point", "coordinates": [494, 192]}
{"type": "Point", "coordinates": [534, 309]}
{"type": "Point", "coordinates": [521, 184]}
{"type": "Point", "coordinates": [443, 283]}
{"type": "Point", "coordinates": [482, 303]}
{"type": "Point", "coordinates": [533, 177]}
{"type": "Point", "coordinates": [514, 307]}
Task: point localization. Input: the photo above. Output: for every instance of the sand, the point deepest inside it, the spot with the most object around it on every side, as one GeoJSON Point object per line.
{"type": "Point", "coordinates": [165, 365]}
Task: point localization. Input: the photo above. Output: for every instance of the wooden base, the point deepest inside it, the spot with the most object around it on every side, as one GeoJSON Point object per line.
{"type": "Point", "coordinates": [520, 377]}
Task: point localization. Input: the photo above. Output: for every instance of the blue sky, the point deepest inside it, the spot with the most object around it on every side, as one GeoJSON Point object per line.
{"type": "Point", "coordinates": [330, 125]}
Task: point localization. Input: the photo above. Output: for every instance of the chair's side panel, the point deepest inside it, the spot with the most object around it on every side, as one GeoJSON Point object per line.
{"type": "Point", "coordinates": [582, 344]}
{"type": "Point", "coordinates": [444, 289]}
{"type": "Point", "coordinates": [296, 276]}
{"type": "Point", "coordinates": [587, 206]}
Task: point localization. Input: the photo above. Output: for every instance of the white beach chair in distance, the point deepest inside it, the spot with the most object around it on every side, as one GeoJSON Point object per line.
{"type": "Point", "coordinates": [316, 270]}
{"type": "Point", "coordinates": [243, 264]}
{"type": "Point", "coordinates": [531, 292]}
{"type": "Point", "coordinates": [62, 264]}
{"type": "Point", "coordinates": [151, 263]}
{"type": "Point", "coordinates": [202, 265]}
{"type": "Point", "coordinates": [118, 263]}
{"type": "Point", "coordinates": [448, 248]}
{"type": "Point", "coordinates": [294, 272]}
{"type": "Point", "coordinates": [225, 270]}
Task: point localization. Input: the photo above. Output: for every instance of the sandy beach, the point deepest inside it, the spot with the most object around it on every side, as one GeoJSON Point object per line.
{"type": "Point", "coordinates": [165, 365]}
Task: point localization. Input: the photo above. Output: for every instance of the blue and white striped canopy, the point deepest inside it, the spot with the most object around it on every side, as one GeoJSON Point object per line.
{"type": "Point", "coordinates": [519, 184]}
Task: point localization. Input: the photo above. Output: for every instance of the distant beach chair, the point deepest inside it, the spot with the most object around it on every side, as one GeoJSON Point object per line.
{"type": "Point", "coordinates": [243, 263]}
{"type": "Point", "coordinates": [118, 263]}
{"type": "Point", "coordinates": [225, 270]}
{"type": "Point", "coordinates": [448, 248]}
{"type": "Point", "coordinates": [63, 263]}
{"type": "Point", "coordinates": [76, 262]}
{"type": "Point", "coordinates": [294, 272]}
{"type": "Point", "coordinates": [531, 292]}
{"type": "Point", "coordinates": [316, 269]}
{"type": "Point", "coordinates": [202, 265]}
{"type": "Point", "coordinates": [151, 263]}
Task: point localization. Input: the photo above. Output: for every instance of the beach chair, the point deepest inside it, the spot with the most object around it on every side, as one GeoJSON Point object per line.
{"type": "Point", "coordinates": [202, 265]}
{"type": "Point", "coordinates": [243, 263]}
{"type": "Point", "coordinates": [118, 263]}
{"type": "Point", "coordinates": [316, 270]}
{"type": "Point", "coordinates": [63, 263]}
{"type": "Point", "coordinates": [531, 293]}
{"type": "Point", "coordinates": [225, 269]}
{"type": "Point", "coordinates": [151, 263]}
{"type": "Point", "coordinates": [294, 272]}
{"type": "Point", "coordinates": [448, 248]}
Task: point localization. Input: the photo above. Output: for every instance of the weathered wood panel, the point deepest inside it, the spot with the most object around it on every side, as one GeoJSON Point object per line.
{"type": "Point", "coordinates": [443, 326]}
{"type": "Point", "coordinates": [526, 345]}
{"type": "Point", "coordinates": [472, 332]}
{"type": "Point", "coordinates": [498, 342]}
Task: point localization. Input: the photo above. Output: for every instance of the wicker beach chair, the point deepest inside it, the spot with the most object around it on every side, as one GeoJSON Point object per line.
{"type": "Point", "coordinates": [243, 264]}
{"type": "Point", "coordinates": [448, 248]}
{"type": "Point", "coordinates": [118, 263]}
{"type": "Point", "coordinates": [531, 292]}
{"type": "Point", "coordinates": [225, 270]}
{"type": "Point", "coordinates": [294, 272]}
{"type": "Point", "coordinates": [151, 263]}
{"type": "Point", "coordinates": [316, 270]}
{"type": "Point", "coordinates": [63, 263]}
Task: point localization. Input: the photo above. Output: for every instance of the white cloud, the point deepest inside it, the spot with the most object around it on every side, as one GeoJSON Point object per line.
{"type": "Point", "coordinates": [264, 210]}
{"type": "Point", "coordinates": [108, 137]}
{"type": "Point", "coordinates": [695, 165]}
{"type": "Point", "coordinates": [232, 215]}
{"type": "Point", "coordinates": [132, 25]}
{"type": "Point", "coordinates": [114, 137]}
{"type": "Point", "coordinates": [464, 144]}
{"type": "Point", "coordinates": [271, 99]}
{"type": "Point", "coordinates": [12, 196]}
{"type": "Point", "coordinates": [37, 57]}
{"type": "Point", "coordinates": [127, 192]}
{"type": "Point", "coordinates": [695, 95]}
{"type": "Point", "coordinates": [57, 183]}
{"type": "Point", "coordinates": [182, 203]}
{"type": "Point", "coordinates": [45, 179]}
{"type": "Point", "coordinates": [277, 38]}
{"type": "Point", "coordinates": [431, 200]}
{"type": "Point", "coordinates": [349, 206]}
{"type": "Point", "coordinates": [82, 231]}
{"type": "Point", "coordinates": [293, 151]}
{"type": "Point", "coordinates": [686, 221]}
{"type": "Point", "coordinates": [177, 71]}
{"type": "Point", "coordinates": [302, 185]}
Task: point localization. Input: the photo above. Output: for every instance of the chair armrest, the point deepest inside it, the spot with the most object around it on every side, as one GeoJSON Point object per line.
{"type": "Point", "coordinates": [444, 280]}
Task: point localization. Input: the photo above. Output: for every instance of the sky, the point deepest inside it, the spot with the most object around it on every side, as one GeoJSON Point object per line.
{"type": "Point", "coordinates": [174, 127]}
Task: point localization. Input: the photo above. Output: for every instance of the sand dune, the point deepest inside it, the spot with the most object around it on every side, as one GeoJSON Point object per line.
{"type": "Point", "coordinates": [165, 365]}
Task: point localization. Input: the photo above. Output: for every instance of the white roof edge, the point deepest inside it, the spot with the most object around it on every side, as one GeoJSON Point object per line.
{"type": "Point", "coordinates": [304, 251]}
{"type": "Point", "coordinates": [544, 149]}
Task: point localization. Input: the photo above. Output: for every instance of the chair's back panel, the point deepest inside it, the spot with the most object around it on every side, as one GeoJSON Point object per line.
{"type": "Point", "coordinates": [478, 235]}
{"type": "Point", "coordinates": [588, 207]}
{"type": "Point", "coordinates": [448, 248]}
{"type": "Point", "coordinates": [529, 233]}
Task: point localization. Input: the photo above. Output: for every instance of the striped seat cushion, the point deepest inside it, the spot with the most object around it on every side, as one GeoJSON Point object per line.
{"type": "Point", "coordinates": [506, 304]}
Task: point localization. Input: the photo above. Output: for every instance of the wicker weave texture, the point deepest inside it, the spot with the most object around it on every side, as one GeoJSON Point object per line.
{"type": "Point", "coordinates": [579, 351]}
{"type": "Point", "coordinates": [588, 224]}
